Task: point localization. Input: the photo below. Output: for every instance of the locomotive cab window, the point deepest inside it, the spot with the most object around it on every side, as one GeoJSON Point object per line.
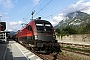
{"type": "Point", "coordinates": [48, 27]}
{"type": "Point", "coordinates": [29, 27]}
{"type": "Point", "coordinates": [40, 26]}
{"type": "Point", "coordinates": [45, 27]}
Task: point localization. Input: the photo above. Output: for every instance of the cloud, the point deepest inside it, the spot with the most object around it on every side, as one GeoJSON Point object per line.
{"type": "Point", "coordinates": [6, 3]}
{"type": "Point", "coordinates": [36, 2]}
{"type": "Point", "coordinates": [81, 5]}
{"type": "Point", "coordinates": [5, 13]}
{"type": "Point", "coordinates": [0, 14]}
{"type": "Point", "coordinates": [13, 23]}
{"type": "Point", "coordinates": [7, 18]}
{"type": "Point", "coordinates": [56, 19]}
{"type": "Point", "coordinates": [10, 30]}
{"type": "Point", "coordinates": [14, 26]}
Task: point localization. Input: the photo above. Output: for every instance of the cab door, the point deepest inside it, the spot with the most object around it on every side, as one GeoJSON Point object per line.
{"type": "Point", "coordinates": [30, 35]}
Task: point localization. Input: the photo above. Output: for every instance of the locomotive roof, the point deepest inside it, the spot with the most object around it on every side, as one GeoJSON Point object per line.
{"type": "Point", "coordinates": [41, 21]}
{"type": "Point", "coordinates": [37, 21]}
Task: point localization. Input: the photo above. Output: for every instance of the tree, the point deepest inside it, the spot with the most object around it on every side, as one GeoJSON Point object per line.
{"type": "Point", "coordinates": [69, 30]}
{"type": "Point", "coordinates": [86, 29]}
{"type": "Point", "coordinates": [58, 31]}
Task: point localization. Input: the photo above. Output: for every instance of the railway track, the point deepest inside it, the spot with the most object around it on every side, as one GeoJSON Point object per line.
{"type": "Point", "coordinates": [76, 48]}
{"type": "Point", "coordinates": [76, 51]}
{"type": "Point", "coordinates": [54, 55]}
{"type": "Point", "coordinates": [63, 55]}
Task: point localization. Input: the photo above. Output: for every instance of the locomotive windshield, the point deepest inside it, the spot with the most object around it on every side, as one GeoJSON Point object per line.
{"type": "Point", "coordinates": [44, 27]}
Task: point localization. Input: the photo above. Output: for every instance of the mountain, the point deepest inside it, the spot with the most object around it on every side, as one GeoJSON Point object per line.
{"type": "Point", "coordinates": [12, 33]}
{"type": "Point", "coordinates": [75, 19]}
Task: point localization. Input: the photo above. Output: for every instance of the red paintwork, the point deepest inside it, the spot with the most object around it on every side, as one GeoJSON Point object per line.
{"type": "Point", "coordinates": [26, 32]}
{"type": "Point", "coordinates": [33, 25]}
{"type": "Point", "coordinates": [1, 28]}
{"type": "Point", "coordinates": [53, 30]}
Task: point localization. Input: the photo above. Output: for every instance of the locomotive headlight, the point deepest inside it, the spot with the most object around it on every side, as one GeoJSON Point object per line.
{"type": "Point", "coordinates": [36, 37]}
{"type": "Point", "coordinates": [54, 36]}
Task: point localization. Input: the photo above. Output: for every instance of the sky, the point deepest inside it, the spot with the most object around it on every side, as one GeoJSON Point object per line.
{"type": "Point", "coordinates": [18, 12]}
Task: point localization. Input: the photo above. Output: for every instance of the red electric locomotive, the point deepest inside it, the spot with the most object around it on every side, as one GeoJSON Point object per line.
{"type": "Point", "coordinates": [39, 35]}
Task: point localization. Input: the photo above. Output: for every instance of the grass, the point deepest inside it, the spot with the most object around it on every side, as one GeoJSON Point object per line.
{"type": "Point", "coordinates": [78, 49]}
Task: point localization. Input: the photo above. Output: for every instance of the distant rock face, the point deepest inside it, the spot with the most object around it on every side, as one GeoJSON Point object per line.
{"type": "Point", "coordinates": [75, 19]}
{"type": "Point", "coordinates": [12, 33]}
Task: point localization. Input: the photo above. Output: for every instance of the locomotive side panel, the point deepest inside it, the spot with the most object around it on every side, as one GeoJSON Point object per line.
{"type": "Point", "coordinates": [26, 35]}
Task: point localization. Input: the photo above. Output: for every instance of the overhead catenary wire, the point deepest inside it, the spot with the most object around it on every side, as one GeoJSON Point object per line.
{"type": "Point", "coordinates": [39, 14]}
{"type": "Point", "coordinates": [51, 14]}
{"type": "Point", "coordinates": [43, 7]}
{"type": "Point", "coordinates": [29, 14]}
{"type": "Point", "coordinates": [41, 10]}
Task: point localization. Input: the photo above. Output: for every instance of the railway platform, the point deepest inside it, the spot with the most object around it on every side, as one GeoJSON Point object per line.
{"type": "Point", "coordinates": [3, 49]}
{"type": "Point", "coordinates": [15, 51]}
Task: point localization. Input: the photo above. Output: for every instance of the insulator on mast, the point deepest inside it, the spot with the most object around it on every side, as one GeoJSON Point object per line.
{"type": "Point", "coordinates": [32, 14]}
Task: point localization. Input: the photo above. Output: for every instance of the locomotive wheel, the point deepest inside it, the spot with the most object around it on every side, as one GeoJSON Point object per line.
{"type": "Point", "coordinates": [31, 48]}
{"type": "Point", "coordinates": [58, 49]}
{"type": "Point", "coordinates": [34, 48]}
